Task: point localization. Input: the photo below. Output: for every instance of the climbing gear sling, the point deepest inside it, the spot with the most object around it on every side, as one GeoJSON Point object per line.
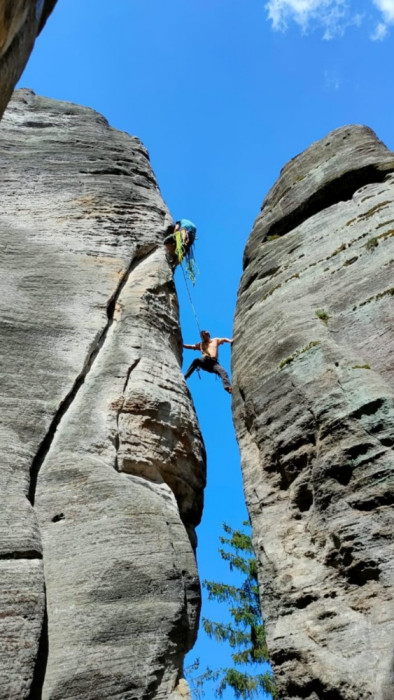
{"type": "Point", "coordinates": [181, 253]}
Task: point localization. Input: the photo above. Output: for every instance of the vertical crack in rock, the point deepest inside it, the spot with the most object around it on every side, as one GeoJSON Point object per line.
{"type": "Point", "coordinates": [119, 411]}
{"type": "Point", "coordinates": [117, 444]}
{"type": "Point", "coordinates": [130, 370]}
{"type": "Point", "coordinates": [41, 660]}
{"type": "Point", "coordinates": [92, 355]}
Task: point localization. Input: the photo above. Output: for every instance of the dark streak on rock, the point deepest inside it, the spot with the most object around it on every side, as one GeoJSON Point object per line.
{"type": "Point", "coordinates": [313, 689]}
{"type": "Point", "coordinates": [371, 504]}
{"type": "Point", "coordinates": [116, 440]}
{"type": "Point", "coordinates": [28, 554]}
{"type": "Point", "coordinates": [57, 518]}
{"type": "Point", "coordinates": [130, 370]}
{"type": "Point", "coordinates": [305, 600]}
{"type": "Point", "coordinates": [368, 409]}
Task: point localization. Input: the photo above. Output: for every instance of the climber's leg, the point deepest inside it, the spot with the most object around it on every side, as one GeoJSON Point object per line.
{"type": "Point", "coordinates": [219, 370]}
{"type": "Point", "coordinates": [194, 365]}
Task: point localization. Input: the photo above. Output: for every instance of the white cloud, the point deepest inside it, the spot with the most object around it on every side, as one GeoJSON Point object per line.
{"type": "Point", "coordinates": [386, 7]}
{"type": "Point", "coordinates": [327, 13]}
{"type": "Point", "coordinates": [332, 16]}
{"type": "Point", "coordinates": [380, 32]}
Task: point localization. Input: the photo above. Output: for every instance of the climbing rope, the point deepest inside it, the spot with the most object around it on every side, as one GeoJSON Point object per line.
{"type": "Point", "coordinates": [194, 311]}
{"type": "Point", "coordinates": [190, 299]}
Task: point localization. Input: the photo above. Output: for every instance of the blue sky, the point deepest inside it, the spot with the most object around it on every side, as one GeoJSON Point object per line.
{"type": "Point", "coordinates": [222, 93]}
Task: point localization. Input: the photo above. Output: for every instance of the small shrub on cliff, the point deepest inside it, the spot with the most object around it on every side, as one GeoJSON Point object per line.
{"type": "Point", "coordinates": [245, 633]}
{"type": "Point", "coordinates": [322, 315]}
{"type": "Point", "coordinates": [372, 243]}
{"type": "Point", "coordinates": [297, 353]}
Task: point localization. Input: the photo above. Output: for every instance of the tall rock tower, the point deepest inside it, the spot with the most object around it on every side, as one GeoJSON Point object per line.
{"type": "Point", "coordinates": [313, 373]}
{"type": "Point", "coordinates": [103, 464]}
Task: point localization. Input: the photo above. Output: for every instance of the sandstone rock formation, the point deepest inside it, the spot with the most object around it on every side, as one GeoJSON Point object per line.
{"type": "Point", "coordinates": [103, 464]}
{"type": "Point", "coordinates": [313, 374]}
{"type": "Point", "coordinates": [20, 22]}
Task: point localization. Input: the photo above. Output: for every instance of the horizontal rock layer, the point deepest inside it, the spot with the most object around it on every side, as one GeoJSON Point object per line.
{"type": "Point", "coordinates": [103, 465]}
{"type": "Point", "coordinates": [314, 412]}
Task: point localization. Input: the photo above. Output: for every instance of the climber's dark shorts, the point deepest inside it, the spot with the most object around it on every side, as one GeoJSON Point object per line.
{"type": "Point", "coordinates": [209, 364]}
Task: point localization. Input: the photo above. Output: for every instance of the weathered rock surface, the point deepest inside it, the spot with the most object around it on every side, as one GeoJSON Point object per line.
{"type": "Point", "coordinates": [103, 465]}
{"type": "Point", "coordinates": [313, 374]}
{"type": "Point", "coordinates": [20, 22]}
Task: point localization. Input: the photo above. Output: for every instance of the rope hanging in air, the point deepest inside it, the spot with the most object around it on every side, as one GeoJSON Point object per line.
{"type": "Point", "coordinates": [191, 300]}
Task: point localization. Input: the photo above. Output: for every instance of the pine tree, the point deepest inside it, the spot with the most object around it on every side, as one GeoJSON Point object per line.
{"type": "Point", "coordinates": [245, 633]}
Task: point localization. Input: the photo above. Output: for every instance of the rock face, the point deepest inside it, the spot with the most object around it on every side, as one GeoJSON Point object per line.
{"type": "Point", "coordinates": [20, 22]}
{"type": "Point", "coordinates": [103, 465]}
{"type": "Point", "coordinates": [313, 375]}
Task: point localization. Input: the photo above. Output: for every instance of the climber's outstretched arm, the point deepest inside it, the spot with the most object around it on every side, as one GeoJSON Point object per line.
{"type": "Point", "coordinates": [224, 340]}
{"type": "Point", "coordinates": [192, 347]}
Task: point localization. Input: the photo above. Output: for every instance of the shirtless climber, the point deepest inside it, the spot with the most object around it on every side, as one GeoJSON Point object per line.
{"type": "Point", "coordinates": [209, 359]}
{"type": "Point", "coordinates": [187, 231]}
